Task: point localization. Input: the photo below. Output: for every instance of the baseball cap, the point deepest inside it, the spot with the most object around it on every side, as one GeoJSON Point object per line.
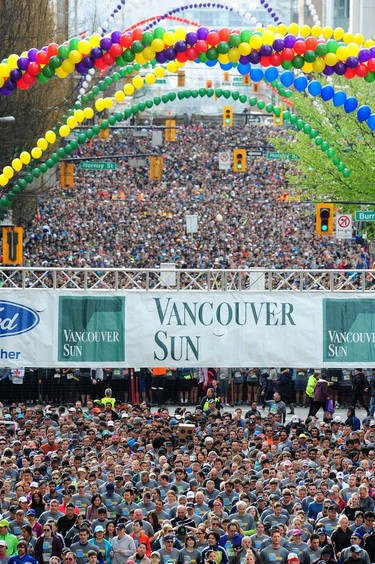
{"type": "Point", "coordinates": [99, 529]}
{"type": "Point", "coordinates": [337, 419]}
{"type": "Point", "coordinates": [190, 495]}
{"type": "Point", "coordinates": [321, 531]}
{"type": "Point", "coordinates": [168, 537]}
{"type": "Point", "coordinates": [4, 523]}
{"type": "Point", "coordinates": [120, 526]}
{"type": "Point", "coordinates": [293, 557]}
{"type": "Point", "coordinates": [355, 548]}
{"type": "Point", "coordinates": [30, 512]}
{"type": "Point", "coordinates": [358, 535]}
{"type": "Point", "coordinates": [296, 532]}
{"type": "Point", "coordinates": [23, 499]}
{"type": "Point", "coordinates": [110, 487]}
{"type": "Point", "coordinates": [3, 543]}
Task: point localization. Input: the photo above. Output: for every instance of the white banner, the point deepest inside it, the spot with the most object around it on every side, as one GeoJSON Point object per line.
{"type": "Point", "coordinates": [42, 328]}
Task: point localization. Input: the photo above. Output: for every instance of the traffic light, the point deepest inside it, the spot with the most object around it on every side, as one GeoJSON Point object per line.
{"type": "Point", "coordinates": [170, 131]}
{"type": "Point", "coordinates": [156, 168]}
{"type": "Point", "coordinates": [239, 160]}
{"type": "Point", "coordinates": [255, 86]}
{"type": "Point", "coordinates": [12, 245]}
{"type": "Point", "coordinates": [181, 78]}
{"type": "Point", "coordinates": [104, 134]}
{"type": "Point", "coordinates": [226, 77]}
{"type": "Point", "coordinates": [278, 120]}
{"type": "Point", "coordinates": [208, 83]}
{"type": "Point", "coordinates": [324, 219]}
{"type": "Point", "coordinates": [66, 175]}
{"type": "Point", "coordinates": [246, 79]}
{"type": "Point", "coordinates": [227, 116]}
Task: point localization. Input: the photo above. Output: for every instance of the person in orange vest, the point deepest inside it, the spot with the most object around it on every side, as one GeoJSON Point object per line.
{"type": "Point", "coordinates": [157, 385]}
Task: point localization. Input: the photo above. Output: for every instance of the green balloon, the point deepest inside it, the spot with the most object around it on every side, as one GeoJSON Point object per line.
{"type": "Point", "coordinates": [286, 115]}
{"type": "Point", "coordinates": [219, 92]}
{"type": "Point", "coordinates": [210, 92]}
{"type": "Point", "coordinates": [95, 90]}
{"type": "Point", "coordinates": [261, 105]}
{"type": "Point", "coordinates": [187, 93]}
{"type": "Point", "coordinates": [63, 51]}
{"type": "Point", "coordinates": [4, 202]}
{"type": "Point", "coordinates": [245, 35]}
{"type": "Point", "coordinates": [276, 111]}
{"type": "Point", "coordinates": [147, 38]}
{"type": "Point", "coordinates": [85, 99]}
{"type": "Point", "coordinates": [22, 182]}
{"type": "Point", "coordinates": [281, 91]}
{"type": "Point", "coordinates": [36, 172]}
{"type": "Point", "coordinates": [293, 119]}
{"type": "Point", "coordinates": [211, 54]}
{"type": "Point", "coordinates": [129, 69]}
{"type": "Point", "coordinates": [370, 77]}
{"type": "Point", "coordinates": [288, 94]}
{"type": "Point", "coordinates": [55, 158]}
{"type": "Point", "coordinates": [269, 108]}
{"type": "Point", "coordinates": [234, 40]}
{"type": "Point", "coordinates": [73, 144]}
{"type": "Point", "coordinates": [223, 47]}
{"type": "Point", "coordinates": [61, 152]}
{"type": "Point", "coordinates": [336, 161]}
{"type": "Point", "coordinates": [149, 104]}
{"type": "Point", "coordinates": [181, 95]}
{"type": "Point", "coordinates": [89, 133]}
{"type": "Point", "coordinates": [108, 81]}
{"type": "Point", "coordinates": [102, 85]}
{"type": "Point", "coordinates": [73, 43]}
{"type": "Point", "coordinates": [346, 173]}
{"type": "Point", "coordinates": [136, 47]}
{"type": "Point", "coordinates": [172, 96]}
{"type": "Point", "coordinates": [307, 128]}
{"type": "Point", "coordinates": [120, 61]}
{"type": "Point", "coordinates": [300, 124]}
{"type": "Point", "coordinates": [81, 138]}
{"type": "Point", "coordinates": [298, 62]}
{"type": "Point", "coordinates": [324, 146]}
{"type": "Point", "coordinates": [159, 32]}
{"type": "Point", "coordinates": [68, 149]}
{"type": "Point", "coordinates": [321, 50]}
{"type": "Point", "coordinates": [157, 100]}
{"type": "Point", "coordinates": [96, 129]}
{"type": "Point", "coordinates": [341, 167]}
{"type": "Point", "coordinates": [318, 141]}
{"type": "Point", "coordinates": [227, 94]}
{"type": "Point", "coordinates": [43, 167]}
{"type": "Point", "coordinates": [202, 92]}
{"type": "Point", "coordinates": [332, 46]}
{"type": "Point", "coordinates": [142, 106]}
{"type": "Point", "coordinates": [17, 189]}
{"type": "Point", "coordinates": [313, 133]}
{"type": "Point", "coordinates": [165, 98]}
{"type": "Point", "coordinates": [55, 62]}
{"type": "Point", "coordinates": [243, 98]}
{"type": "Point", "coordinates": [202, 58]}
{"type": "Point", "coordinates": [50, 163]}
{"type": "Point", "coordinates": [194, 93]}
{"type": "Point", "coordinates": [104, 124]}
{"type": "Point", "coordinates": [112, 120]}
{"type": "Point", "coordinates": [253, 101]}
{"type": "Point", "coordinates": [137, 66]}
{"type": "Point", "coordinates": [310, 56]}
{"type": "Point", "coordinates": [128, 56]}
{"type": "Point", "coordinates": [287, 65]}
{"type": "Point", "coordinates": [331, 153]}
{"type": "Point", "coordinates": [48, 72]}
{"type": "Point", "coordinates": [122, 73]}
{"type": "Point", "coordinates": [235, 95]}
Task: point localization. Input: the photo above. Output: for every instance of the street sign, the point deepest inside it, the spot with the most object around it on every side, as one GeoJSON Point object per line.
{"type": "Point", "coordinates": [255, 153]}
{"type": "Point", "coordinates": [282, 156]}
{"type": "Point", "coordinates": [224, 160]}
{"type": "Point", "coordinates": [157, 137]}
{"type": "Point", "coordinates": [168, 274]}
{"type": "Point", "coordinates": [344, 226]}
{"type": "Point", "coordinates": [137, 162]}
{"type": "Point", "coordinates": [191, 224]}
{"type": "Point", "coordinates": [365, 215]}
{"type": "Point", "coordinates": [89, 165]}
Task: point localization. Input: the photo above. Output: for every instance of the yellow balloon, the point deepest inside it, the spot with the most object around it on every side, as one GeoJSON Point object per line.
{"type": "Point", "coordinates": [348, 38]}
{"type": "Point", "coordinates": [79, 115]}
{"type": "Point", "coordinates": [305, 30]}
{"type": "Point", "coordinates": [95, 40]}
{"type": "Point", "coordinates": [3, 180]}
{"type": "Point", "coordinates": [8, 172]}
{"type": "Point", "coordinates": [330, 59]}
{"type": "Point", "coordinates": [148, 53]}
{"type": "Point", "coordinates": [180, 34]}
{"type": "Point", "coordinates": [75, 56]}
{"type": "Point", "coordinates": [268, 38]}
{"type": "Point", "coordinates": [282, 29]}
{"type": "Point", "coordinates": [271, 27]}
{"type": "Point", "coordinates": [171, 66]}
{"type": "Point", "coordinates": [159, 72]}
{"type": "Point", "coordinates": [139, 58]}
{"type": "Point", "coordinates": [327, 32]}
{"type": "Point", "coordinates": [64, 130]}
{"type": "Point", "coordinates": [84, 47]}
{"type": "Point", "coordinates": [50, 136]}
{"type": "Point", "coordinates": [67, 66]}
{"type": "Point", "coordinates": [25, 157]}
{"type": "Point", "coordinates": [180, 64]}
{"type": "Point", "coordinates": [71, 122]}
{"type": "Point", "coordinates": [353, 49]}
{"type": "Point", "coordinates": [243, 49]}
{"type": "Point", "coordinates": [223, 58]}
{"type": "Point", "coordinates": [4, 70]}
{"type": "Point", "coordinates": [342, 53]}
{"type": "Point", "coordinates": [255, 42]}
{"type": "Point", "coordinates": [129, 89]}
{"type": "Point", "coordinates": [61, 73]}
{"type": "Point", "coordinates": [2, 81]}
{"type": "Point", "coordinates": [359, 39]}
{"type": "Point", "coordinates": [108, 103]}
{"type": "Point", "coordinates": [17, 164]}
{"type": "Point", "coordinates": [88, 113]}
{"type": "Point", "coordinates": [12, 61]}
{"type": "Point", "coordinates": [319, 65]}
{"type": "Point", "coordinates": [367, 45]}
{"type": "Point", "coordinates": [150, 78]}
{"type": "Point", "coordinates": [99, 104]}
{"type": "Point", "coordinates": [42, 144]}
{"type": "Point", "coordinates": [307, 68]}
{"type": "Point", "coordinates": [316, 31]}
{"type": "Point", "coordinates": [137, 82]}
{"type": "Point", "coordinates": [338, 33]}
{"type": "Point", "coordinates": [293, 28]}
{"type": "Point", "coordinates": [169, 38]}
{"type": "Point", "coordinates": [157, 45]}
{"type": "Point", "coordinates": [36, 153]}
{"type": "Point", "coordinates": [234, 55]}
{"type": "Point", "coordinates": [119, 96]}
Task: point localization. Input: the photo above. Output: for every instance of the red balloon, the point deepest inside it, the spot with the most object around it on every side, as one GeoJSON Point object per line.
{"type": "Point", "coordinates": [52, 49]}
{"type": "Point", "coordinates": [126, 40]}
{"type": "Point", "coordinates": [287, 54]}
{"type": "Point", "coordinates": [276, 59]}
{"type": "Point", "coordinates": [108, 59]}
{"type": "Point", "coordinates": [265, 61]}
{"type": "Point", "coordinates": [42, 57]}
{"type": "Point", "coordinates": [22, 85]}
{"type": "Point", "coordinates": [33, 68]}
{"type": "Point", "coordinates": [224, 34]}
{"type": "Point", "coordinates": [191, 53]}
{"type": "Point", "coordinates": [28, 78]}
{"type": "Point", "coordinates": [237, 31]}
{"type": "Point", "coordinates": [137, 34]}
{"type": "Point", "coordinates": [371, 65]}
{"type": "Point", "coordinates": [362, 70]}
{"type": "Point", "coordinates": [311, 43]}
{"type": "Point", "coordinates": [213, 38]}
{"type": "Point", "coordinates": [100, 64]}
{"type": "Point", "coordinates": [350, 73]}
{"type": "Point", "coordinates": [299, 47]}
{"type": "Point", "coordinates": [115, 50]}
{"type": "Point", "coordinates": [182, 57]}
{"type": "Point", "coordinates": [201, 46]}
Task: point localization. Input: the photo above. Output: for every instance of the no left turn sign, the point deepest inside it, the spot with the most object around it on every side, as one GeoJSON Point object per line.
{"type": "Point", "coordinates": [224, 160]}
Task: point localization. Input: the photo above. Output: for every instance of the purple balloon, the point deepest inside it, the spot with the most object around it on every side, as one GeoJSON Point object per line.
{"type": "Point", "coordinates": [340, 68]}
{"type": "Point", "coordinates": [32, 54]}
{"type": "Point", "coordinates": [23, 63]}
{"type": "Point", "coordinates": [244, 60]}
{"type": "Point", "coordinates": [254, 57]}
{"type": "Point", "coordinates": [115, 35]}
{"type": "Point", "coordinates": [105, 43]}
{"type": "Point", "coordinates": [15, 75]}
{"type": "Point", "coordinates": [266, 50]}
{"type": "Point", "coordinates": [4, 91]}
{"type": "Point", "coordinates": [352, 62]}
{"type": "Point", "coordinates": [161, 58]}
{"type": "Point", "coordinates": [170, 53]}
{"type": "Point", "coordinates": [180, 46]}
{"type": "Point", "coordinates": [328, 71]}
{"type": "Point", "coordinates": [96, 53]}
{"type": "Point", "coordinates": [289, 41]}
{"type": "Point", "coordinates": [88, 62]}
{"type": "Point", "coordinates": [278, 44]}
{"type": "Point", "coordinates": [191, 38]}
{"type": "Point", "coordinates": [81, 68]}
{"type": "Point", "coordinates": [364, 55]}
{"type": "Point", "coordinates": [372, 52]}
{"type": "Point", "coordinates": [10, 85]}
{"type": "Point", "coordinates": [202, 33]}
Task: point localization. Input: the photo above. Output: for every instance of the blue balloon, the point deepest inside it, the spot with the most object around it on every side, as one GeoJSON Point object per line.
{"type": "Point", "coordinates": [300, 83]}
{"type": "Point", "coordinates": [256, 75]}
{"type": "Point", "coordinates": [364, 112]}
{"type": "Point", "coordinates": [210, 63]}
{"type": "Point", "coordinates": [287, 78]}
{"type": "Point", "coordinates": [327, 93]}
{"type": "Point", "coordinates": [371, 122]}
{"type": "Point", "coordinates": [271, 74]}
{"type": "Point", "coordinates": [339, 98]}
{"type": "Point", "coordinates": [314, 88]}
{"type": "Point", "coordinates": [351, 104]}
{"type": "Point", "coordinates": [244, 69]}
{"type": "Point", "coordinates": [226, 66]}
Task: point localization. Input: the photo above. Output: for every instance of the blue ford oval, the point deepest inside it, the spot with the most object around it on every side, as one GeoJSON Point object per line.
{"type": "Point", "coordinates": [16, 319]}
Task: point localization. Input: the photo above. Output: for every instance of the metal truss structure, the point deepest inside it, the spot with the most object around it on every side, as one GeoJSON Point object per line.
{"type": "Point", "coordinates": [247, 280]}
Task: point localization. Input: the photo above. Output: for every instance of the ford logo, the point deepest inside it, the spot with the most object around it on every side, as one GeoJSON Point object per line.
{"type": "Point", "coordinates": [16, 319]}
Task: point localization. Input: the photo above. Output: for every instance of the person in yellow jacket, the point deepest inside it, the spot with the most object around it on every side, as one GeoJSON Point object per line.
{"type": "Point", "coordinates": [11, 540]}
{"type": "Point", "coordinates": [311, 383]}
